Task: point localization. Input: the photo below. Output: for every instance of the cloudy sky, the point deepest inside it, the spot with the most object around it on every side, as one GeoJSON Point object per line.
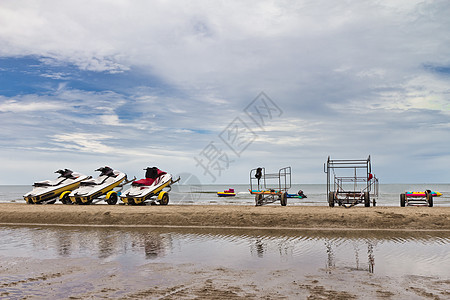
{"type": "Point", "coordinates": [216, 88]}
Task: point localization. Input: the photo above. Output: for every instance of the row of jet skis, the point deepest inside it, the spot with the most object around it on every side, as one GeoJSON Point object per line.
{"type": "Point", "coordinates": [75, 188]}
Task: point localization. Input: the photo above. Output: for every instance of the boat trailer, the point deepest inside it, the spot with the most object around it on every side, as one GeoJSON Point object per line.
{"type": "Point", "coordinates": [417, 198]}
{"type": "Point", "coordinates": [353, 184]}
{"type": "Point", "coordinates": [270, 187]}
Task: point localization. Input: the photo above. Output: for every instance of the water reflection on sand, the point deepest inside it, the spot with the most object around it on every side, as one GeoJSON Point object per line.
{"type": "Point", "coordinates": [90, 262]}
{"type": "Point", "coordinates": [390, 252]}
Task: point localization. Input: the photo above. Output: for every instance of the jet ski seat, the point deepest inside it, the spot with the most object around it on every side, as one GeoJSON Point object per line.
{"type": "Point", "coordinates": [106, 172]}
{"type": "Point", "coordinates": [151, 175]}
{"type": "Point", "coordinates": [64, 174]}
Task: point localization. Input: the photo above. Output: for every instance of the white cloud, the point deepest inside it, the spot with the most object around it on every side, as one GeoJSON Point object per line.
{"type": "Point", "coordinates": [349, 76]}
{"type": "Point", "coordinates": [15, 106]}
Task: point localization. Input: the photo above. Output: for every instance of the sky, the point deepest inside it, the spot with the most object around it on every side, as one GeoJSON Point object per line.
{"type": "Point", "coordinates": [214, 89]}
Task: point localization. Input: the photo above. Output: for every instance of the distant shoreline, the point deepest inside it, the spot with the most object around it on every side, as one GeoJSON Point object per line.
{"type": "Point", "coordinates": [230, 216]}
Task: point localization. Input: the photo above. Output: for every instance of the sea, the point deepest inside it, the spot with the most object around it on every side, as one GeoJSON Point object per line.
{"type": "Point", "coordinates": [183, 194]}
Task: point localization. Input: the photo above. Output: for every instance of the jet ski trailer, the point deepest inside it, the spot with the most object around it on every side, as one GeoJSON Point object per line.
{"type": "Point", "coordinates": [48, 191]}
{"type": "Point", "coordinates": [270, 187]}
{"type": "Point", "coordinates": [100, 188]}
{"type": "Point", "coordinates": [150, 188]}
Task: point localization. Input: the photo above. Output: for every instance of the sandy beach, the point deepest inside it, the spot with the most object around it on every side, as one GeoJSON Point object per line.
{"type": "Point", "coordinates": [231, 216]}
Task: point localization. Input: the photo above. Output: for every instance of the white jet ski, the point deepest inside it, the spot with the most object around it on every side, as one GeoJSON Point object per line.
{"type": "Point", "coordinates": [152, 185]}
{"type": "Point", "coordinates": [95, 188]}
{"type": "Point", "coordinates": [47, 191]}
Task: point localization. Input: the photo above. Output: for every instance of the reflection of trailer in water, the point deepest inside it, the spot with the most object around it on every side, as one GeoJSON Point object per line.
{"type": "Point", "coordinates": [270, 187]}
{"type": "Point", "coordinates": [353, 184]}
{"type": "Point", "coordinates": [330, 244]}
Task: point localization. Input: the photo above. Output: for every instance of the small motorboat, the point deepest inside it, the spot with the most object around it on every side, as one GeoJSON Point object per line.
{"type": "Point", "coordinates": [227, 193]}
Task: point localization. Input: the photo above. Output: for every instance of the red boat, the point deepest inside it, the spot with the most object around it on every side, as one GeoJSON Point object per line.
{"type": "Point", "coordinates": [227, 193]}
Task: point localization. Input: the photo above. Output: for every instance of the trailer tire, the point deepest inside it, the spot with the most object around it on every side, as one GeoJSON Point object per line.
{"type": "Point", "coordinates": [283, 199]}
{"type": "Point", "coordinates": [402, 200]}
{"type": "Point", "coordinates": [429, 198]}
{"type": "Point", "coordinates": [258, 199]}
{"type": "Point", "coordinates": [164, 199]}
{"type": "Point", "coordinates": [374, 202]}
{"type": "Point", "coordinates": [331, 199]}
{"type": "Point", "coordinates": [366, 199]}
{"type": "Point", "coordinates": [51, 202]}
{"type": "Point", "coordinates": [64, 197]}
{"type": "Point", "coordinates": [112, 199]}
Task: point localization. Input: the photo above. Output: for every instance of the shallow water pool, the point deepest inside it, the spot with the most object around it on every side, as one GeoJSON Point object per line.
{"type": "Point", "coordinates": [112, 262]}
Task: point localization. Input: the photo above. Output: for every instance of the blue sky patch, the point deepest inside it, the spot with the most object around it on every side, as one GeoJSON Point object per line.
{"type": "Point", "coordinates": [442, 70]}
{"type": "Point", "coordinates": [29, 75]}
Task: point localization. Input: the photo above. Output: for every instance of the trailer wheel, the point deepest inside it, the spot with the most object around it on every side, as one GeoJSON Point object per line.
{"type": "Point", "coordinates": [164, 199]}
{"type": "Point", "coordinates": [112, 199]}
{"type": "Point", "coordinates": [429, 198]}
{"type": "Point", "coordinates": [366, 199]}
{"type": "Point", "coordinates": [283, 199]}
{"type": "Point", "coordinates": [64, 198]}
{"type": "Point", "coordinates": [331, 199]}
{"type": "Point", "coordinates": [402, 200]}
{"type": "Point", "coordinates": [51, 202]}
{"type": "Point", "coordinates": [258, 199]}
{"type": "Point", "coordinates": [374, 202]}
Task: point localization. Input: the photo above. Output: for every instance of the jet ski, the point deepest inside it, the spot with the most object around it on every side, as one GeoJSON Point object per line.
{"type": "Point", "coordinates": [152, 185]}
{"type": "Point", "coordinates": [47, 191]}
{"type": "Point", "coordinates": [299, 195]}
{"type": "Point", "coordinates": [95, 188]}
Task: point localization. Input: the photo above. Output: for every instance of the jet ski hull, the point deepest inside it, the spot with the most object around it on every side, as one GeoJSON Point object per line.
{"type": "Point", "coordinates": [41, 194]}
{"type": "Point", "coordinates": [85, 194]}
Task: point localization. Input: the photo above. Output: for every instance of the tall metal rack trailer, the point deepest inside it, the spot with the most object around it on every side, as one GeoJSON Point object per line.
{"type": "Point", "coordinates": [350, 182]}
{"type": "Point", "coordinates": [270, 187]}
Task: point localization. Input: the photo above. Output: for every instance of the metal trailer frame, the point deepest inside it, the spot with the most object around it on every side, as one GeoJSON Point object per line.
{"type": "Point", "coordinates": [410, 200]}
{"type": "Point", "coordinates": [271, 187]}
{"type": "Point", "coordinates": [351, 190]}
{"type": "Point", "coordinates": [162, 196]}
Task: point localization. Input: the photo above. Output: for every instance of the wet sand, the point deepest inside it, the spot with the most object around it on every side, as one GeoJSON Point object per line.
{"type": "Point", "coordinates": [231, 216]}
{"type": "Point", "coordinates": [86, 278]}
